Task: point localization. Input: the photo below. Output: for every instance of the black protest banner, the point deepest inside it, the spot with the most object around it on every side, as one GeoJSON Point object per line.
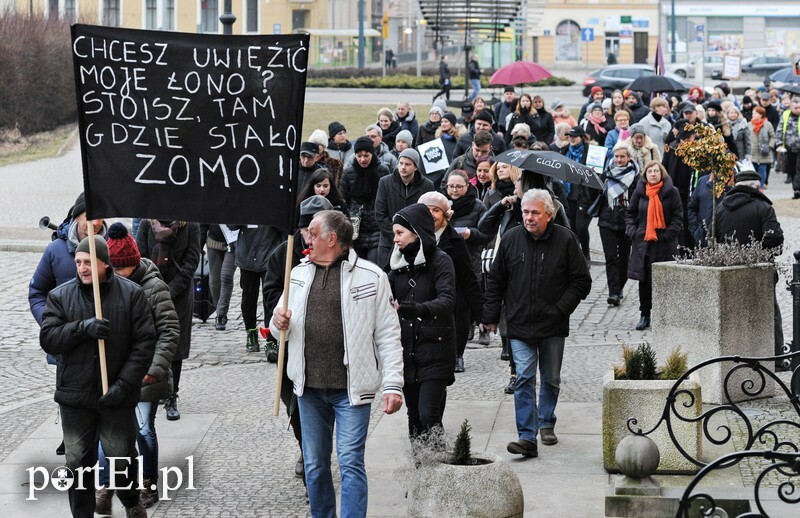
{"type": "Point", "coordinates": [190, 127]}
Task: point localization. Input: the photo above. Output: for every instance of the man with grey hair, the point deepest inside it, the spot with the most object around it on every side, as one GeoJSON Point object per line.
{"type": "Point", "coordinates": [375, 134]}
{"type": "Point", "coordinates": [340, 307]}
{"type": "Point", "coordinates": [539, 273]}
{"type": "Point", "coordinates": [746, 215]}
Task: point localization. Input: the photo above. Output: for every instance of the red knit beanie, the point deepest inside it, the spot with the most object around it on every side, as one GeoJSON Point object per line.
{"type": "Point", "coordinates": [122, 249]}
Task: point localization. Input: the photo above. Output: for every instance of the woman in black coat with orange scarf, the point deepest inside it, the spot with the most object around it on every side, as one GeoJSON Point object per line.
{"type": "Point", "coordinates": [652, 222]}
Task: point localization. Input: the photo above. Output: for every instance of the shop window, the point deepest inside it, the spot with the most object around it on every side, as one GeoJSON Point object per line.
{"type": "Point", "coordinates": [612, 44]}
{"type": "Point", "coordinates": [209, 16]}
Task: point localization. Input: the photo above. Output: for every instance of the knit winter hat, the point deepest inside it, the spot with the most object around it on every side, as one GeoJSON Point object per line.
{"type": "Point", "coordinates": [484, 115]}
{"type": "Point", "coordinates": [310, 207]}
{"type": "Point", "coordinates": [556, 103]}
{"type": "Point", "coordinates": [410, 154]}
{"type": "Point", "coordinates": [100, 246]}
{"type": "Point", "coordinates": [319, 137]}
{"type": "Point", "coordinates": [436, 109]}
{"type": "Point", "coordinates": [79, 207]}
{"type": "Point", "coordinates": [637, 129]}
{"type": "Point", "coordinates": [363, 144]}
{"type": "Point", "coordinates": [122, 249]}
{"type": "Point", "coordinates": [714, 105]}
{"type": "Point", "coordinates": [334, 128]}
{"type": "Point", "coordinates": [405, 136]}
{"type": "Point", "coordinates": [450, 116]}
{"type": "Point", "coordinates": [606, 104]}
{"type": "Point", "coordinates": [594, 90]}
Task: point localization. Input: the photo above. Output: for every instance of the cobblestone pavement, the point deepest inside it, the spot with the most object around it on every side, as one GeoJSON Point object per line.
{"type": "Point", "coordinates": [244, 463]}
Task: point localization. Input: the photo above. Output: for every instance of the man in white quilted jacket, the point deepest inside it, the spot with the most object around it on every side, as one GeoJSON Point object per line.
{"type": "Point", "coordinates": [344, 343]}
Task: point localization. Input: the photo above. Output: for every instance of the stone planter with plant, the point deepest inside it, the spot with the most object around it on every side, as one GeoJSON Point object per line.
{"type": "Point", "coordinates": [461, 482]}
{"type": "Point", "coordinates": [638, 389]}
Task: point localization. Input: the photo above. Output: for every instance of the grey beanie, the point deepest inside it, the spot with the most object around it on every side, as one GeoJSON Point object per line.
{"type": "Point", "coordinates": [405, 136]}
{"type": "Point", "coordinates": [100, 246]}
{"type": "Point", "coordinates": [637, 128]}
{"type": "Point", "coordinates": [556, 103]}
{"type": "Point", "coordinates": [410, 154]}
{"type": "Point", "coordinates": [309, 207]}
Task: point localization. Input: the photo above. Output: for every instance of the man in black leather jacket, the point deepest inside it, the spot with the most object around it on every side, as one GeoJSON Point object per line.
{"type": "Point", "coordinates": [69, 329]}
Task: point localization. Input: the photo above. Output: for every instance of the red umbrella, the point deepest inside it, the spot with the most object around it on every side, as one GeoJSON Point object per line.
{"type": "Point", "coordinates": [519, 73]}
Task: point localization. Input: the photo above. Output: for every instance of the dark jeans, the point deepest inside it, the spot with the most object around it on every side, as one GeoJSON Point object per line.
{"type": "Point", "coordinates": [146, 440]}
{"type": "Point", "coordinates": [221, 266]}
{"type": "Point", "coordinates": [251, 283]}
{"type": "Point", "coordinates": [617, 250]}
{"type": "Point", "coordinates": [116, 428]}
{"type": "Point", "coordinates": [370, 254]}
{"type": "Point", "coordinates": [582, 221]}
{"type": "Point", "coordinates": [425, 402]}
{"type": "Point", "coordinates": [646, 288]}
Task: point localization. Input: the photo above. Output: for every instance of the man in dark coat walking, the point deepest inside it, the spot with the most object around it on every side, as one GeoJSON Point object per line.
{"type": "Point", "coordinates": [70, 329]}
{"type": "Point", "coordinates": [539, 272]}
{"type": "Point", "coordinates": [396, 191]}
{"type": "Point", "coordinates": [746, 215]}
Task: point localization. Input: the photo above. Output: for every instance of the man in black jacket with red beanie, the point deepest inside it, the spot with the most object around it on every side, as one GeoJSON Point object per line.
{"type": "Point", "coordinates": [70, 329]}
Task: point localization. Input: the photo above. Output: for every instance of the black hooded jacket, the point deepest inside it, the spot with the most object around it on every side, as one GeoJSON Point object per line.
{"type": "Point", "coordinates": [392, 196]}
{"type": "Point", "coordinates": [359, 187]}
{"type": "Point", "coordinates": [745, 211]}
{"type": "Point", "coordinates": [129, 347]}
{"type": "Point", "coordinates": [429, 345]}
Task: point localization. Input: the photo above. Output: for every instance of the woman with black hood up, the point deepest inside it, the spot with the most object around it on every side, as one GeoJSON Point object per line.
{"type": "Point", "coordinates": [423, 283]}
{"type": "Point", "coordinates": [360, 187]}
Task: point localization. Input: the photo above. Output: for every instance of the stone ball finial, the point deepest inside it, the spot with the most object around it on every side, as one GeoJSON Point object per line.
{"type": "Point", "coordinates": [637, 456]}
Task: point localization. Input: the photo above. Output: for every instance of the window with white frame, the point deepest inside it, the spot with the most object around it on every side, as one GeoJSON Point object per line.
{"type": "Point", "coordinates": [169, 22]}
{"type": "Point", "coordinates": [252, 15]}
{"type": "Point", "coordinates": [111, 12]}
{"type": "Point", "coordinates": [151, 14]}
{"type": "Point", "coordinates": [71, 10]}
{"type": "Point", "coordinates": [209, 15]}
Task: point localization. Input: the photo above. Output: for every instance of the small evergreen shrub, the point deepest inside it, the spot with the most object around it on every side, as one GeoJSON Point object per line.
{"type": "Point", "coordinates": [675, 365]}
{"type": "Point", "coordinates": [461, 448]}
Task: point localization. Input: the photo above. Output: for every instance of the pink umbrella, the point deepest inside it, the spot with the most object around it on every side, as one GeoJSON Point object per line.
{"type": "Point", "coordinates": [519, 73]}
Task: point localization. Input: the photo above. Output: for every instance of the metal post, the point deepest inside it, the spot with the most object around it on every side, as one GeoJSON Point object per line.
{"type": "Point", "coordinates": [227, 18]}
{"type": "Point", "coordinates": [672, 30]}
{"type": "Point", "coordinates": [794, 288]}
{"type": "Point", "coordinates": [419, 49]}
{"type": "Point", "coordinates": [361, 42]}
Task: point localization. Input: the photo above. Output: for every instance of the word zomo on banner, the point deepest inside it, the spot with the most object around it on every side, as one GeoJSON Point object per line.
{"type": "Point", "coordinates": [190, 127]}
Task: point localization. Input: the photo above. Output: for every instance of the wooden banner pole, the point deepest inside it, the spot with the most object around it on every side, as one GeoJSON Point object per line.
{"type": "Point", "coordinates": [287, 275]}
{"type": "Point", "coordinates": [98, 308]}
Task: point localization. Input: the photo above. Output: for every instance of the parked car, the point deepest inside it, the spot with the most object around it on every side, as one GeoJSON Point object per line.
{"type": "Point", "coordinates": [613, 77]}
{"type": "Point", "coordinates": [616, 77]}
{"type": "Point", "coordinates": [759, 65]}
{"type": "Point", "coordinates": [687, 68]}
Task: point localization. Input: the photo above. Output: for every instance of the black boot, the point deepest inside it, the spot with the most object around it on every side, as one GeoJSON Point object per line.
{"type": "Point", "coordinates": [505, 350]}
{"type": "Point", "coordinates": [643, 324]}
{"type": "Point", "coordinates": [220, 323]}
{"type": "Point", "coordinates": [252, 341]}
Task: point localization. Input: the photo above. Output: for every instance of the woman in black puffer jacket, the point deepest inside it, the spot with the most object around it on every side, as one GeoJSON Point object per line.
{"type": "Point", "coordinates": [360, 187]}
{"type": "Point", "coordinates": [424, 286]}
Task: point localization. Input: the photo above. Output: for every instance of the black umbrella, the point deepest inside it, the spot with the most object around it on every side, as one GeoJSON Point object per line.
{"type": "Point", "coordinates": [555, 165]}
{"type": "Point", "coordinates": [785, 75]}
{"type": "Point", "coordinates": [791, 88]}
{"type": "Point", "coordinates": [655, 83]}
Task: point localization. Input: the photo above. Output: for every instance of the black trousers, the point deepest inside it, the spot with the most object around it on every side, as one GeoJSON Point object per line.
{"type": "Point", "coordinates": [425, 402]}
{"type": "Point", "coordinates": [646, 288]}
{"type": "Point", "coordinates": [579, 221]}
{"type": "Point", "coordinates": [790, 165]}
{"type": "Point", "coordinates": [444, 91]}
{"type": "Point", "coordinates": [617, 250]}
{"type": "Point", "coordinates": [116, 428]}
{"type": "Point", "coordinates": [251, 283]}
{"type": "Point", "coordinates": [177, 367]}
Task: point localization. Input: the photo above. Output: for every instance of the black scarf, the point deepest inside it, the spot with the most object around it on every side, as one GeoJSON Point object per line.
{"type": "Point", "coordinates": [504, 187]}
{"type": "Point", "coordinates": [366, 185]}
{"type": "Point", "coordinates": [463, 206]}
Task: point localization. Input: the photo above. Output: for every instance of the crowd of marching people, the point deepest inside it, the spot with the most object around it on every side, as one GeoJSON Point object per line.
{"type": "Point", "coordinates": [464, 251]}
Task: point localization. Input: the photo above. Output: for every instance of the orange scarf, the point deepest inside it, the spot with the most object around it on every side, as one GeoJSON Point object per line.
{"type": "Point", "coordinates": [655, 212]}
{"type": "Point", "coordinates": [757, 125]}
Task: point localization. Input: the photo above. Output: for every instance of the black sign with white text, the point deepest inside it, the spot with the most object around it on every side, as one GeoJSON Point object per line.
{"type": "Point", "coordinates": [193, 127]}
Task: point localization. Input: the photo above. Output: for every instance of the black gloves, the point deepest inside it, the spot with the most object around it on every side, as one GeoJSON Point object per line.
{"type": "Point", "coordinates": [117, 393]}
{"type": "Point", "coordinates": [411, 310]}
{"type": "Point", "coordinates": [95, 328]}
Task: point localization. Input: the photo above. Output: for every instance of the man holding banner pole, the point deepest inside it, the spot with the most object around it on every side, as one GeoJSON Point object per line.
{"type": "Point", "coordinates": [72, 327]}
{"type": "Point", "coordinates": [340, 306]}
